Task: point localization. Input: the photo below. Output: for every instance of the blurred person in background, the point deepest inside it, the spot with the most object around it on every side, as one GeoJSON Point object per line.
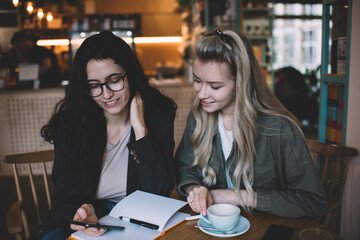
{"type": "Point", "coordinates": [26, 51]}
{"type": "Point", "coordinates": [293, 92]}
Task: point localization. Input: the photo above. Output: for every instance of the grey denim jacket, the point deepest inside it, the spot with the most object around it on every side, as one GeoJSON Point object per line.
{"type": "Point", "coordinates": [285, 179]}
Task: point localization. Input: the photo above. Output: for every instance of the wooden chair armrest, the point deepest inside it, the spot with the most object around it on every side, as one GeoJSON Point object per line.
{"type": "Point", "coordinates": [13, 218]}
{"type": "Point", "coordinates": [334, 204]}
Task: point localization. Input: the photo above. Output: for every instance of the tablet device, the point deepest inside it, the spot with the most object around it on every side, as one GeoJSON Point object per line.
{"type": "Point", "coordinates": [96, 225]}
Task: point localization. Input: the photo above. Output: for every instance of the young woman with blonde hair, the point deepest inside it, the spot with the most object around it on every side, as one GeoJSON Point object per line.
{"type": "Point", "coordinates": [241, 145]}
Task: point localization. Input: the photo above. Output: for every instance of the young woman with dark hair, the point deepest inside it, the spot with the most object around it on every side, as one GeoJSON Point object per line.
{"type": "Point", "coordinates": [112, 134]}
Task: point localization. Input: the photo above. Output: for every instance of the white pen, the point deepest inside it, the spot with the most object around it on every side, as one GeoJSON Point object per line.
{"type": "Point", "coordinates": [193, 217]}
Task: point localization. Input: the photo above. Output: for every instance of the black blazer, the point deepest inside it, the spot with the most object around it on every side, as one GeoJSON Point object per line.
{"type": "Point", "coordinates": [150, 168]}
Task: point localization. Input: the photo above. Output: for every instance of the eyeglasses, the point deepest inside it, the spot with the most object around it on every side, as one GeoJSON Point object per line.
{"type": "Point", "coordinates": [115, 83]}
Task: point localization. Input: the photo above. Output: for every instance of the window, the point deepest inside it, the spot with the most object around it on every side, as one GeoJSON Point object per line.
{"type": "Point", "coordinates": [289, 49]}
{"type": "Point", "coordinates": [297, 36]}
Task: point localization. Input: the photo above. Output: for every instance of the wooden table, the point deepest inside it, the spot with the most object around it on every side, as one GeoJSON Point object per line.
{"type": "Point", "coordinates": [259, 222]}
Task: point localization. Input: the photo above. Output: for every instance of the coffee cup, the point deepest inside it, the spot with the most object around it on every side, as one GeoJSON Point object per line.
{"type": "Point", "coordinates": [222, 216]}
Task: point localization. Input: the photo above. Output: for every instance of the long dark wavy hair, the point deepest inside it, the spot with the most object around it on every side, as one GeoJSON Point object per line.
{"type": "Point", "coordinates": [77, 112]}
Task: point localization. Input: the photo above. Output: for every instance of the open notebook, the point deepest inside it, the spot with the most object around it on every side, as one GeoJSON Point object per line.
{"type": "Point", "coordinates": [150, 208]}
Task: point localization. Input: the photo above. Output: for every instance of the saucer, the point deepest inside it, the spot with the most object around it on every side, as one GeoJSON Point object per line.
{"type": "Point", "coordinates": [241, 228]}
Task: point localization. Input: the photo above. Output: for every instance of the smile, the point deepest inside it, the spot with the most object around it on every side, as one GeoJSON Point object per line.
{"type": "Point", "coordinates": [111, 102]}
{"type": "Point", "coordinates": [207, 102]}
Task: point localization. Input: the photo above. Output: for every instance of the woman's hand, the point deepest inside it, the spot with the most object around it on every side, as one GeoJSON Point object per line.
{"type": "Point", "coordinates": [137, 119]}
{"type": "Point", "coordinates": [86, 213]}
{"type": "Point", "coordinates": [199, 198]}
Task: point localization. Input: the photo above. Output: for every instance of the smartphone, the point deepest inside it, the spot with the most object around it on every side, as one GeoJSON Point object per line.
{"type": "Point", "coordinates": [275, 232]}
{"type": "Point", "coordinates": [96, 225]}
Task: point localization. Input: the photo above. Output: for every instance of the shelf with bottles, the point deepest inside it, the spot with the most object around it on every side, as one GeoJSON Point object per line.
{"type": "Point", "coordinates": [222, 13]}
{"type": "Point", "coordinates": [210, 14]}
{"type": "Point", "coordinates": [257, 21]}
{"type": "Point", "coordinates": [252, 18]}
{"type": "Point", "coordinates": [335, 43]}
{"type": "Point", "coordinates": [54, 27]}
{"type": "Point", "coordinates": [256, 24]}
{"type": "Point", "coordinates": [96, 22]}
{"type": "Point", "coordinates": [261, 52]}
{"type": "Point", "coordinates": [62, 24]}
{"type": "Point", "coordinates": [335, 63]}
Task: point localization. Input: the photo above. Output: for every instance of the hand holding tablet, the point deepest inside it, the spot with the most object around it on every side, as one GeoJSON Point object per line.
{"type": "Point", "coordinates": [96, 225]}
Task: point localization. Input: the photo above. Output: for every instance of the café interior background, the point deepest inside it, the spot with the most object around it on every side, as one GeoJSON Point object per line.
{"type": "Point", "coordinates": [296, 42]}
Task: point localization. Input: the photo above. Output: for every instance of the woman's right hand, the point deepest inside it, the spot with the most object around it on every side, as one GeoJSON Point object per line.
{"type": "Point", "coordinates": [199, 198]}
{"type": "Point", "coordinates": [86, 213]}
{"type": "Point", "coordinates": [137, 118]}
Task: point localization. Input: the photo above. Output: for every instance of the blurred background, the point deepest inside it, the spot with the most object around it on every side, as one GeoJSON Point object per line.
{"type": "Point", "coordinates": [303, 47]}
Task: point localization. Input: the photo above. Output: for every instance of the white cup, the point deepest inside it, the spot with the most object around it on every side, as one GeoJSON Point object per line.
{"type": "Point", "coordinates": [314, 234]}
{"type": "Point", "coordinates": [222, 216]}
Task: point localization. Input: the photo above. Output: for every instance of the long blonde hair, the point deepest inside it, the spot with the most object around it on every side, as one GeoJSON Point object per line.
{"type": "Point", "coordinates": [252, 96]}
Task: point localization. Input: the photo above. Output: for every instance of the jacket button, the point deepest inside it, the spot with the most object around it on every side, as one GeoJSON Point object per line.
{"type": "Point", "coordinates": [132, 152]}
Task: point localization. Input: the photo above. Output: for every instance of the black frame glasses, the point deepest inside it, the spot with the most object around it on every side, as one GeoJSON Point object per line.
{"type": "Point", "coordinates": [106, 83]}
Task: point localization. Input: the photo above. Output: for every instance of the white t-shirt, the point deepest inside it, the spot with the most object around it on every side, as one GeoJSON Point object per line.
{"type": "Point", "coordinates": [113, 178]}
{"type": "Point", "coordinates": [227, 139]}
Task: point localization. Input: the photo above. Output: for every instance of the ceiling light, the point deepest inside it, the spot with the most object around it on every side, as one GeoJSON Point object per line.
{"type": "Point", "coordinates": [15, 3]}
{"type": "Point", "coordinates": [40, 13]}
{"type": "Point", "coordinates": [30, 7]}
{"type": "Point", "coordinates": [49, 16]}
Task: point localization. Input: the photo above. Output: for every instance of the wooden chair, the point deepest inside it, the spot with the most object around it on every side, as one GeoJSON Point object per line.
{"type": "Point", "coordinates": [333, 162]}
{"type": "Point", "coordinates": [16, 218]}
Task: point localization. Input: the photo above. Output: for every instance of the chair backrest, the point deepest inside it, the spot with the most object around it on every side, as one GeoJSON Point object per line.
{"type": "Point", "coordinates": [27, 160]}
{"type": "Point", "coordinates": [333, 162]}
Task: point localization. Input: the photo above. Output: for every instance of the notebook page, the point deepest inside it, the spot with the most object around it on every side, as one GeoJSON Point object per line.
{"type": "Point", "coordinates": [147, 207]}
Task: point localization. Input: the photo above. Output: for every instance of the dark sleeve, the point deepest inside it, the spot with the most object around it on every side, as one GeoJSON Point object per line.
{"type": "Point", "coordinates": [302, 193]}
{"type": "Point", "coordinates": [186, 174]}
{"type": "Point", "coordinates": [151, 165]}
{"type": "Point", "coordinates": [67, 197]}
